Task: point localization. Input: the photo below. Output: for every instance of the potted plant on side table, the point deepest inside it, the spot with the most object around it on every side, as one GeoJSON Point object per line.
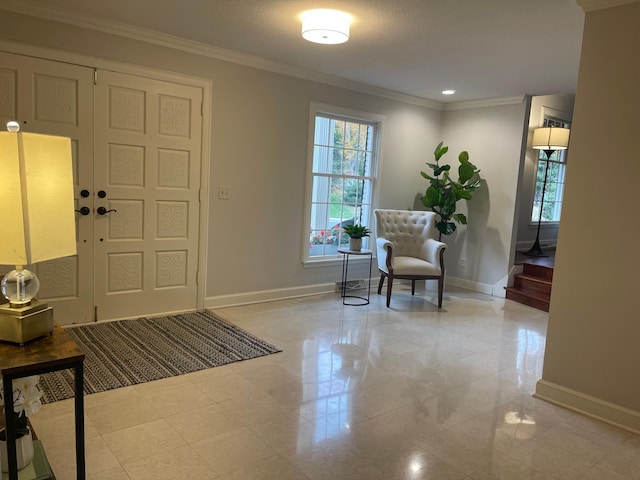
{"type": "Point", "coordinates": [355, 233]}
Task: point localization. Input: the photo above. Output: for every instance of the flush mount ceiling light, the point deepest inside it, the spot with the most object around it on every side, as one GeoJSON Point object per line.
{"type": "Point", "coordinates": [448, 92]}
{"type": "Point", "coordinates": [325, 26]}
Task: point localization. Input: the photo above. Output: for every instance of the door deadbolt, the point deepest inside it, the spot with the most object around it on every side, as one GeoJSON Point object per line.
{"type": "Point", "coordinates": [85, 193]}
{"type": "Point", "coordinates": [102, 194]}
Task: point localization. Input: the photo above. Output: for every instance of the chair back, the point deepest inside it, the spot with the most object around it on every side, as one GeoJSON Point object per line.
{"type": "Point", "coordinates": [408, 230]}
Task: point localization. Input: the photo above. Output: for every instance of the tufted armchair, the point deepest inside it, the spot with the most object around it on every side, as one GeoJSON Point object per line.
{"type": "Point", "coordinates": [407, 249]}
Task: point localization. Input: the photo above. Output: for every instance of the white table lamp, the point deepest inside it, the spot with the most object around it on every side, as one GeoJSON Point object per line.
{"type": "Point", "coordinates": [37, 223]}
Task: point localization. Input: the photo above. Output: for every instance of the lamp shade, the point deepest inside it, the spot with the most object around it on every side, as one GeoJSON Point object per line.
{"type": "Point", "coordinates": [325, 26]}
{"type": "Point", "coordinates": [37, 219]}
{"type": "Point", "coordinates": [551, 138]}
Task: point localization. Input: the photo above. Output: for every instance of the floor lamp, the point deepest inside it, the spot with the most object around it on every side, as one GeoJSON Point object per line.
{"type": "Point", "coordinates": [548, 139]}
{"type": "Point", "coordinates": [37, 223]}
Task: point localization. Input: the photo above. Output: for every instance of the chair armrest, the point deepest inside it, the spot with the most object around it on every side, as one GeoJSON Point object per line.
{"type": "Point", "coordinates": [432, 251]}
{"type": "Point", "coordinates": [384, 251]}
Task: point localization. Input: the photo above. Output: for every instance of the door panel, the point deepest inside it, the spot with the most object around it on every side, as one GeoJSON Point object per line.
{"type": "Point", "coordinates": [56, 98]}
{"type": "Point", "coordinates": [147, 163]}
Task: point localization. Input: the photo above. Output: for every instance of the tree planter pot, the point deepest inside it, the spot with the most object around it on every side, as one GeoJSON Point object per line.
{"type": "Point", "coordinates": [355, 244]}
{"type": "Point", "coordinates": [24, 450]}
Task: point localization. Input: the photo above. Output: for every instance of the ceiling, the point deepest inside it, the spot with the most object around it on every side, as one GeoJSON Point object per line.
{"type": "Point", "coordinates": [483, 49]}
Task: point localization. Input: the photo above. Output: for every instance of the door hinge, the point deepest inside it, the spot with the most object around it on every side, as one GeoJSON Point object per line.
{"type": "Point", "coordinates": [201, 109]}
{"type": "Point", "coordinates": [95, 76]}
{"type": "Point", "coordinates": [95, 313]}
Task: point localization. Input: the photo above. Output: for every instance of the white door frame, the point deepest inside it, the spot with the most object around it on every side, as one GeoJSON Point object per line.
{"type": "Point", "coordinates": [205, 84]}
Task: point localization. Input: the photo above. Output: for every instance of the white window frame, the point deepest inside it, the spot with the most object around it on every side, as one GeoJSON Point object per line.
{"type": "Point", "coordinates": [320, 109]}
{"type": "Point", "coordinates": [561, 155]}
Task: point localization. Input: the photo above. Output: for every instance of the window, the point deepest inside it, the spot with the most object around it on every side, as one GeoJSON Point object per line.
{"type": "Point", "coordinates": [342, 169]}
{"type": "Point", "coordinates": [555, 180]}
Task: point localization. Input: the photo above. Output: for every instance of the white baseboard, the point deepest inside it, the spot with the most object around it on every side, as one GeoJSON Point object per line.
{"type": "Point", "coordinates": [468, 285]}
{"type": "Point", "coordinates": [246, 298]}
{"type": "Point", "coordinates": [587, 405]}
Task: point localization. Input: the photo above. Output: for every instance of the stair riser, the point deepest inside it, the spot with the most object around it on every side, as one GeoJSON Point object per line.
{"type": "Point", "coordinates": [531, 285]}
{"type": "Point", "coordinates": [540, 271]}
{"type": "Point", "coordinates": [521, 297]}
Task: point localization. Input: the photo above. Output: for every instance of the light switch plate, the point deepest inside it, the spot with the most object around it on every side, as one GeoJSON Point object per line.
{"type": "Point", "coordinates": [224, 193]}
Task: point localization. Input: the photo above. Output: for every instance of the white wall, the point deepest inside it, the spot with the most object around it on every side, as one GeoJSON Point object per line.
{"type": "Point", "coordinates": [258, 148]}
{"type": "Point", "coordinates": [560, 106]}
{"type": "Point", "coordinates": [592, 355]}
{"type": "Point", "coordinates": [493, 137]}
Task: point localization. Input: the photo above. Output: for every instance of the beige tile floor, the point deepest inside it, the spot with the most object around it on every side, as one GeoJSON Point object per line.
{"type": "Point", "coordinates": [369, 393]}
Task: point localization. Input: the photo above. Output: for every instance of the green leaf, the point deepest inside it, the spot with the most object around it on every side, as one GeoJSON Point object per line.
{"type": "Point", "coordinates": [465, 172]}
{"type": "Point", "coordinates": [472, 187]}
{"type": "Point", "coordinates": [433, 165]}
{"type": "Point", "coordinates": [463, 194]}
{"type": "Point", "coordinates": [446, 228]}
{"type": "Point", "coordinates": [440, 151]}
{"type": "Point", "coordinates": [431, 197]}
{"type": "Point", "coordinates": [460, 218]}
{"type": "Point", "coordinates": [443, 168]}
{"type": "Point", "coordinates": [463, 157]}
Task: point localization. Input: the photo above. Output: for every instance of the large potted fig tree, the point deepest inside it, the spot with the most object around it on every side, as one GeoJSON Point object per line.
{"type": "Point", "coordinates": [444, 192]}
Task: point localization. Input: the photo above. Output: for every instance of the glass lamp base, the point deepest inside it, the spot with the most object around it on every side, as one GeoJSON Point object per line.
{"type": "Point", "coordinates": [20, 286]}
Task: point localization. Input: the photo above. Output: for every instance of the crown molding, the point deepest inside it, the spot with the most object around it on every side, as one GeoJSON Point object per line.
{"type": "Point", "coordinates": [488, 102]}
{"type": "Point", "coordinates": [178, 43]}
{"type": "Point", "coordinates": [591, 5]}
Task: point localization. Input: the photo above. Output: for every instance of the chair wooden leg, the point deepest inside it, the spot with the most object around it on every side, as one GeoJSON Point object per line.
{"type": "Point", "coordinates": [440, 290]}
{"type": "Point", "coordinates": [389, 286]}
{"type": "Point", "coordinates": [413, 287]}
{"type": "Point", "coordinates": [380, 283]}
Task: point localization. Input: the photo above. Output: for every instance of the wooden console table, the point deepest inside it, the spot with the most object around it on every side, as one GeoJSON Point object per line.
{"type": "Point", "coordinates": [48, 354]}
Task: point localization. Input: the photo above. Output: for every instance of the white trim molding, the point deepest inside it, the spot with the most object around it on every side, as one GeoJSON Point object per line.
{"type": "Point", "coordinates": [591, 5]}
{"type": "Point", "coordinates": [468, 285]}
{"type": "Point", "coordinates": [247, 298]}
{"type": "Point", "coordinates": [587, 405]}
{"type": "Point", "coordinates": [487, 102]}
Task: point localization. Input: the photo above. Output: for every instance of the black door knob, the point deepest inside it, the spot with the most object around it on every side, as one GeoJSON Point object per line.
{"type": "Point", "coordinates": [102, 194]}
{"type": "Point", "coordinates": [104, 211]}
{"type": "Point", "coordinates": [85, 193]}
{"type": "Point", "coordinates": [84, 211]}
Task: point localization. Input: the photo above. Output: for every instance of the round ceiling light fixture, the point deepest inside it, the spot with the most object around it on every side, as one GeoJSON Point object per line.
{"type": "Point", "coordinates": [325, 26]}
{"type": "Point", "coordinates": [448, 92]}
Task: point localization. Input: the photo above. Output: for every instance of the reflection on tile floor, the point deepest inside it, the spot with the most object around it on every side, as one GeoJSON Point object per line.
{"type": "Point", "coordinates": [410, 392]}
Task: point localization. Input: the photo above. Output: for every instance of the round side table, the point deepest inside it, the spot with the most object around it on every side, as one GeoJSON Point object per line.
{"type": "Point", "coordinates": [358, 300]}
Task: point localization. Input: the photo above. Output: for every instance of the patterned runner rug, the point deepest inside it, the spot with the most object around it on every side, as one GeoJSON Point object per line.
{"type": "Point", "coordinates": [129, 352]}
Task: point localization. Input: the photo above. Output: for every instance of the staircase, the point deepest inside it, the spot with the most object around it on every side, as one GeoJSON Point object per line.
{"type": "Point", "coordinates": [533, 286]}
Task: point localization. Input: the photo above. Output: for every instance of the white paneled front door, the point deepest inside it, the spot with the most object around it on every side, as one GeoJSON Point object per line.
{"type": "Point", "coordinates": [147, 179]}
{"type": "Point", "coordinates": [55, 98]}
{"type": "Point", "coordinates": [137, 155]}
